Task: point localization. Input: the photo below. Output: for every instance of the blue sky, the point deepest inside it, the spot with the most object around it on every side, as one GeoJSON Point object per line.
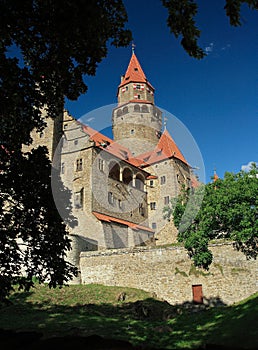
{"type": "Point", "coordinates": [214, 99]}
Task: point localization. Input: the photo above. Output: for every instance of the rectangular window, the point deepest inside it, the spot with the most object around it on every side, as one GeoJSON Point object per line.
{"type": "Point", "coordinates": [151, 183]}
{"type": "Point", "coordinates": [154, 226]}
{"type": "Point", "coordinates": [110, 198]}
{"type": "Point", "coordinates": [141, 209]}
{"type": "Point", "coordinates": [79, 164]}
{"type": "Point", "coordinates": [62, 168]}
{"type": "Point", "coordinates": [153, 205]}
{"type": "Point", "coordinates": [163, 180]}
{"type": "Point", "coordinates": [166, 200]}
{"type": "Point", "coordinates": [78, 199]}
{"type": "Point", "coordinates": [120, 204]}
{"type": "Point", "coordinates": [101, 164]}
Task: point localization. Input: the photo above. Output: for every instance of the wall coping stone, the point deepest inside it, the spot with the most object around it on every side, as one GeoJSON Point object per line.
{"type": "Point", "coordinates": [123, 251]}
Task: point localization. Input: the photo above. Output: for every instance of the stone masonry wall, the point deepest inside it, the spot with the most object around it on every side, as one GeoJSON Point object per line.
{"type": "Point", "coordinates": [170, 274]}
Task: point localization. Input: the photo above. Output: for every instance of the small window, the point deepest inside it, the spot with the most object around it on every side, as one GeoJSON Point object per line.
{"type": "Point", "coordinates": [78, 199]}
{"type": "Point", "coordinates": [136, 69]}
{"type": "Point", "coordinates": [178, 178]}
{"type": "Point", "coordinates": [145, 109]}
{"type": "Point", "coordinates": [151, 183]}
{"type": "Point", "coordinates": [163, 180]}
{"type": "Point", "coordinates": [132, 132]}
{"type": "Point", "coordinates": [166, 200]}
{"type": "Point", "coordinates": [41, 135]}
{"type": "Point", "coordinates": [79, 164]}
{"type": "Point", "coordinates": [62, 168]}
{"type": "Point", "coordinates": [154, 226]}
{"type": "Point", "coordinates": [120, 204]}
{"type": "Point", "coordinates": [125, 110]}
{"type": "Point", "coordinates": [101, 164]}
{"type": "Point", "coordinates": [76, 142]}
{"type": "Point", "coordinates": [126, 88]}
{"type": "Point", "coordinates": [139, 97]}
{"type": "Point", "coordinates": [110, 198]}
{"type": "Point", "coordinates": [141, 209]}
{"type": "Point", "coordinates": [138, 86]}
{"type": "Point", "coordinates": [65, 126]}
{"type": "Point", "coordinates": [153, 205]}
{"type": "Point", "coordinates": [136, 108]}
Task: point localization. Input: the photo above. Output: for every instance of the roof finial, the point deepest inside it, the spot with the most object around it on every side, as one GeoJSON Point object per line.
{"type": "Point", "coordinates": [133, 47]}
{"type": "Point", "coordinates": [215, 176]}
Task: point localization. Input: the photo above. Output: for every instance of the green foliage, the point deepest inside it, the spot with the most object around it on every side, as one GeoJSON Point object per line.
{"type": "Point", "coordinates": [54, 44]}
{"type": "Point", "coordinates": [228, 210]}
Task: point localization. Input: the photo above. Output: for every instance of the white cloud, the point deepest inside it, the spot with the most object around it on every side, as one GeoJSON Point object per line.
{"type": "Point", "coordinates": [208, 49]}
{"type": "Point", "coordinates": [226, 47]}
{"type": "Point", "coordinates": [247, 167]}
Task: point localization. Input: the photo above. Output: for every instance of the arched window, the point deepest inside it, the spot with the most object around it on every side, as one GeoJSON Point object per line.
{"type": "Point", "coordinates": [139, 182]}
{"type": "Point", "coordinates": [114, 170]}
{"type": "Point", "coordinates": [125, 110]}
{"type": "Point", "coordinates": [136, 108]}
{"type": "Point", "coordinates": [127, 176]}
{"type": "Point", "coordinates": [119, 112]}
{"type": "Point", "coordinates": [145, 109]}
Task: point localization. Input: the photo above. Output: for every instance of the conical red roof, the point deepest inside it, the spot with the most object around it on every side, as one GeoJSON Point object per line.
{"type": "Point", "coordinates": [134, 73]}
{"type": "Point", "coordinates": [166, 148]}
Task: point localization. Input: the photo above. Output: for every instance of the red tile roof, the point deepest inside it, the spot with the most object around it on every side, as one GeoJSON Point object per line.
{"type": "Point", "coordinates": [107, 218]}
{"type": "Point", "coordinates": [108, 144]}
{"type": "Point", "coordinates": [134, 73]}
{"type": "Point", "coordinates": [166, 148]}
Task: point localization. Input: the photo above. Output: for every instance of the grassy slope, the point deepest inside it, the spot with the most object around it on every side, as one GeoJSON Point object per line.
{"type": "Point", "coordinates": [140, 319]}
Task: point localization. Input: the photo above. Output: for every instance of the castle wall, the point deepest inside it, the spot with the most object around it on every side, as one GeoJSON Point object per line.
{"type": "Point", "coordinates": [170, 274]}
{"type": "Point", "coordinates": [49, 137]}
{"type": "Point", "coordinates": [174, 174]}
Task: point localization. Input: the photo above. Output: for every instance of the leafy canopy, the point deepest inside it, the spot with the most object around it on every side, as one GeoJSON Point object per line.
{"type": "Point", "coordinates": [228, 210]}
{"type": "Point", "coordinates": [54, 44]}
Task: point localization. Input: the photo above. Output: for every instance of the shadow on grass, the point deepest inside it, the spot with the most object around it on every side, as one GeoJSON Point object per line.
{"type": "Point", "coordinates": [148, 323]}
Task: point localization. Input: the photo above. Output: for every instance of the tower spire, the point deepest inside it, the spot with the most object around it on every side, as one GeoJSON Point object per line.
{"type": "Point", "coordinates": [133, 47]}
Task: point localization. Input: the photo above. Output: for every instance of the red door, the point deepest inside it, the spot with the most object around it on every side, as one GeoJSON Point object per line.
{"type": "Point", "coordinates": [197, 293]}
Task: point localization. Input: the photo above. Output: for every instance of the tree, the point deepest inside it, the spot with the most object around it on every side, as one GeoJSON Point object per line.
{"type": "Point", "coordinates": [229, 210]}
{"type": "Point", "coordinates": [181, 21]}
{"type": "Point", "coordinates": [55, 44]}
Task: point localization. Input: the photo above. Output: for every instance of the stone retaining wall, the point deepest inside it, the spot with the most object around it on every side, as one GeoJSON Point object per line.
{"type": "Point", "coordinates": [170, 274]}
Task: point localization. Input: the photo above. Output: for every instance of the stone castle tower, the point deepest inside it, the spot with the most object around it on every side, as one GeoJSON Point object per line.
{"type": "Point", "coordinates": [118, 186]}
{"type": "Point", "coordinates": [136, 121]}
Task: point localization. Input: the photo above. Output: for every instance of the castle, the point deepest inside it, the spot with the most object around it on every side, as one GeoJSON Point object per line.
{"type": "Point", "coordinates": [121, 185]}
{"type": "Point", "coordinates": [119, 188]}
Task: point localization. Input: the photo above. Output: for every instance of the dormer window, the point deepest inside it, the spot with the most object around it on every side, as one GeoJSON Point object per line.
{"type": "Point", "coordinates": [136, 69]}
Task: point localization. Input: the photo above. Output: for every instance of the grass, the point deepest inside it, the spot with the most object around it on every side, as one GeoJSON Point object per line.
{"type": "Point", "coordinates": [141, 319]}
